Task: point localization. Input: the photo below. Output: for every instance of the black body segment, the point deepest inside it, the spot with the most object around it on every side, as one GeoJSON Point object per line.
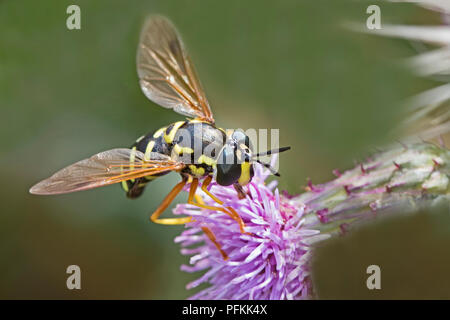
{"type": "Point", "coordinates": [193, 142]}
{"type": "Point", "coordinates": [152, 142]}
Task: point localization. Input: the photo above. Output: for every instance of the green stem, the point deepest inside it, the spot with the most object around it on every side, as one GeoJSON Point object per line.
{"type": "Point", "coordinates": [400, 180]}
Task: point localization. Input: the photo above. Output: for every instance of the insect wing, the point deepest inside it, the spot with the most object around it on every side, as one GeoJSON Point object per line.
{"type": "Point", "coordinates": [104, 168]}
{"type": "Point", "coordinates": [167, 76]}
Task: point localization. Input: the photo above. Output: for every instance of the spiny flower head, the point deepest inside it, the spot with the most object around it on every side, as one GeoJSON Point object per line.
{"type": "Point", "coordinates": [271, 263]}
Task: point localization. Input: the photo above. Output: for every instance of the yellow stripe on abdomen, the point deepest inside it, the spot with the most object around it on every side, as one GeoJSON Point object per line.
{"type": "Point", "coordinates": [149, 149]}
{"type": "Point", "coordinates": [132, 158]}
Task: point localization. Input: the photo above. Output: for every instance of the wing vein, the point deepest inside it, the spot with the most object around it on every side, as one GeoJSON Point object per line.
{"type": "Point", "coordinates": [161, 55]}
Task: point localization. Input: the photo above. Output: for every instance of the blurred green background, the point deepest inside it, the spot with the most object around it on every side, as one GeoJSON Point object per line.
{"type": "Point", "coordinates": [66, 95]}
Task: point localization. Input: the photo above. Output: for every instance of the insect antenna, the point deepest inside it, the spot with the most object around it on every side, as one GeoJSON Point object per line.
{"type": "Point", "coordinates": [267, 165]}
{"type": "Point", "coordinates": [273, 151]}
{"type": "Point", "coordinates": [267, 153]}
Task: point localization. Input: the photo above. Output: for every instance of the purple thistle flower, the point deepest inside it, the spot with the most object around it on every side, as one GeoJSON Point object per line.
{"type": "Point", "coordinates": [270, 264]}
{"type": "Point", "coordinates": [273, 262]}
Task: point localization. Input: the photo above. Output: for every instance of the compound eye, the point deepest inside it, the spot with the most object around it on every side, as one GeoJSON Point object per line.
{"type": "Point", "coordinates": [241, 138]}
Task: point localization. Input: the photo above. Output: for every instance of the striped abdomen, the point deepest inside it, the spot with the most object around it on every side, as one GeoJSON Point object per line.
{"type": "Point", "coordinates": [153, 142]}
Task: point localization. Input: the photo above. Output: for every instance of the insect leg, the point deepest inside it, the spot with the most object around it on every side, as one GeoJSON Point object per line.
{"type": "Point", "coordinates": [206, 230]}
{"type": "Point", "coordinates": [211, 237]}
{"type": "Point", "coordinates": [204, 187]}
{"type": "Point", "coordinates": [166, 202]}
{"type": "Point", "coordinates": [231, 212]}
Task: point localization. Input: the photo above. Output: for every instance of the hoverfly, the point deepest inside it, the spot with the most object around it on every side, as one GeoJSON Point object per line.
{"type": "Point", "coordinates": [167, 77]}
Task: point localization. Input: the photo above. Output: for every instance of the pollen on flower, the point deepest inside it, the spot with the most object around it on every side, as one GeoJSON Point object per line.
{"type": "Point", "coordinates": [272, 263]}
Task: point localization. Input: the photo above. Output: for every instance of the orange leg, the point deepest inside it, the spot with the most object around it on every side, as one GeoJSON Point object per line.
{"type": "Point", "coordinates": [211, 237]}
{"type": "Point", "coordinates": [206, 230]}
{"type": "Point", "coordinates": [204, 187]}
{"type": "Point", "coordinates": [166, 202]}
{"type": "Point", "coordinates": [231, 212]}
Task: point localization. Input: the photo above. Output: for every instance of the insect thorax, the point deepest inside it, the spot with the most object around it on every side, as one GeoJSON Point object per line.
{"type": "Point", "coordinates": [192, 142]}
{"type": "Point", "coordinates": [196, 144]}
